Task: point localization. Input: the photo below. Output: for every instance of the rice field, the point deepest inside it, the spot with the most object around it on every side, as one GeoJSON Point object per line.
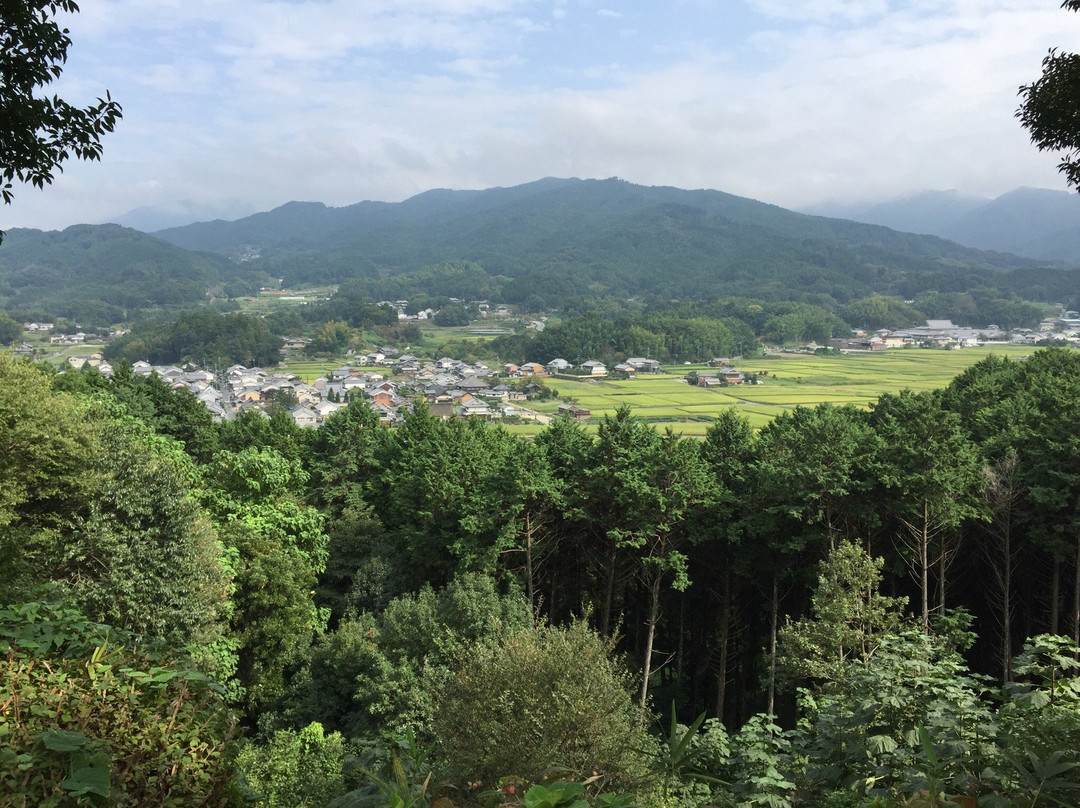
{"type": "Point", "coordinates": [788, 381]}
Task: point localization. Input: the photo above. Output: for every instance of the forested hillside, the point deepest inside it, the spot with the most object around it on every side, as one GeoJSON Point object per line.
{"type": "Point", "coordinates": [563, 238]}
{"type": "Point", "coordinates": [549, 245]}
{"type": "Point", "coordinates": [105, 273]}
{"type": "Point", "coordinates": [846, 606]}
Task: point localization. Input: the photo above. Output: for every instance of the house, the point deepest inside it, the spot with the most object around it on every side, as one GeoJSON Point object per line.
{"type": "Point", "coordinates": [532, 369]}
{"type": "Point", "coordinates": [304, 416]}
{"type": "Point", "coordinates": [558, 366]}
{"type": "Point", "coordinates": [940, 325]}
{"type": "Point", "coordinates": [471, 407]}
{"type": "Point", "coordinates": [384, 397]}
{"type": "Point", "coordinates": [387, 415]}
{"type": "Point", "coordinates": [642, 365]}
{"type": "Point", "coordinates": [625, 367]}
{"type": "Point", "coordinates": [594, 368]}
{"type": "Point", "coordinates": [306, 394]}
{"type": "Point", "coordinates": [472, 384]}
{"type": "Point", "coordinates": [343, 372]}
{"type": "Point", "coordinates": [93, 360]}
{"type": "Point", "coordinates": [436, 393]}
{"type": "Point", "coordinates": [574, 411]}
{"type": "Point", "coordinates": [710, 380]}
{"type": "Point", "coordinates": [216, 410]}
{"type": "Point", "coordinates": [324, 409]}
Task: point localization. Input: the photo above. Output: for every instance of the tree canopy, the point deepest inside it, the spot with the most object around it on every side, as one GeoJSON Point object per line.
{"type": "Point", "coordinates": [39, 132]}
{"type": "Point", "coordinates": [1050, 107]}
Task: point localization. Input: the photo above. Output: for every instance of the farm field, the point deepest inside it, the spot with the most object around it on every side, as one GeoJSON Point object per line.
{"type": "Point", "coordinates": [789, 380]}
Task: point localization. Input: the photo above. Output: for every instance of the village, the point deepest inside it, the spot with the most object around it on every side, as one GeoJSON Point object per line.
{"type": "Point", "coordinates": [390, 380]}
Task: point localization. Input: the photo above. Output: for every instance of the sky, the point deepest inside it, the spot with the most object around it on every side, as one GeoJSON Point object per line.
{"type": "Point", "coordinates": [237, 106]}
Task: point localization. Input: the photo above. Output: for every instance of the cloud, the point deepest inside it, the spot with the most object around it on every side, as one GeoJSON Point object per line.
{"type": "Point", "coordinates": [821, 10]}
{"type": "Point", "coordinates": [791, 103]}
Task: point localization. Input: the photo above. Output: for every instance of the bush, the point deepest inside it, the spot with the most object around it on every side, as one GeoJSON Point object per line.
{"type": "Point", "coordinates": [295, 769]}
{"type": "Point", "coordinates": [82, 725]}
{"type": "Point", "coordinates": [537, 699]}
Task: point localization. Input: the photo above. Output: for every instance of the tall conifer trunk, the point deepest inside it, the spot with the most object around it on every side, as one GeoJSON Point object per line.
{"type": "Point", "coordinates": [1076, 596]}
{"type": "Point", "coordinates": [654, 614]}
{"type": "Point", "coordinates": [772, 641]}
{"type": "Point", "coordinates": [1055, 598]}
{"type": "Point", "coordinates": [725, 636]}
{"type": "Point", "coordinates": [924, 568]}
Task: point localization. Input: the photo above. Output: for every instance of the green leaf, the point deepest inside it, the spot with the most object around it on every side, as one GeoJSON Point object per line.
{"type": "Point", "coordinates": [88, 780]}
{"type": "Point", "coordinates": [63, 740]}
{"type": "Point", "coordinates": [1035, 699]}
{"type": "Point", "coordinates": [880, 744]}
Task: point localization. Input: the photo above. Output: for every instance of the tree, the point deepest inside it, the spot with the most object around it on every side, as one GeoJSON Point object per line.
{"type": "Point", "coordinates": [818, 466]}
{"type": "Point", "coordinates": [730, 450]}
{"type": "Point", "coordinates": [331, 337]}
{"type": "Point", "coordinates": [377, 674]}
{"type": "Point", "coordinates": [1050, 109]}
{"type": "Point", "coordinates": [46, 456]}
{"type": "Point", "coordinates": [37, 132]}
{"type": "Point", "coordinates": [528, 701]}
{"type": "Point", "coordinates": [850, 617]}
{"type": "Point", "coordinates": [1003, 495]}
{"type": "Point", "coordinates": [141, 555]}
{"type": "Point", "coordinates": [10, 330]}
{"type": "Point", "coordinates": [933, 480]}
{"type": "Point", "coordinates": [647, 488]}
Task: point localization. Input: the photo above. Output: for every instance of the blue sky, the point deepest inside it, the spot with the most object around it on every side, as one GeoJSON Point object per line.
{"type": "Point", "coordinates": [239, 106]}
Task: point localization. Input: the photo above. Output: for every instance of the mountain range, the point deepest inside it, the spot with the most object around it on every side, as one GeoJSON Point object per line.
{"type": "Point", "coordinates": [1031, 222]}
{"type": "Point", "coordinates": [540, 244]}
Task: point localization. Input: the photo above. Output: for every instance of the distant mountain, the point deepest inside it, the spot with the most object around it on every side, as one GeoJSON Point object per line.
{"type": "Point", "coordinates": [579, 237]}
{"type": "Point", "coordinates": [1036, 223]}
{"type": "Point", "coordinates": [929, 212]}
{"type": "Point", "coordinates": [182, 212]}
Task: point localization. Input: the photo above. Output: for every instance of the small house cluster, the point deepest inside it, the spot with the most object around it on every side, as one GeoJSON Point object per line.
{"type": "Point", "coordinates": [944, 334]}
{"type": "Point", "coordinates": [592, 367]}
{"type": "Point", "coordinates": [451, 387]}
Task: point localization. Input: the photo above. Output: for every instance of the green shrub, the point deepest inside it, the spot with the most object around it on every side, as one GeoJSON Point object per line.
{"type": "Point", "coordinates": [81, 724]}
{"type": "Point", "coordinates": [538, 699]}
{"type": "Point", "coordinates": [295, 769]}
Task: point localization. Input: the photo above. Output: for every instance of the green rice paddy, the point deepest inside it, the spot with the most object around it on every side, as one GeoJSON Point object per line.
{"type": "Point", "coordinates": [788, 381]}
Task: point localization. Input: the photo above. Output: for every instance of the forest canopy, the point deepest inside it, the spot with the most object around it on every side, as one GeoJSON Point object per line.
{"type": "Point", "coordinates": [389, 607]}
